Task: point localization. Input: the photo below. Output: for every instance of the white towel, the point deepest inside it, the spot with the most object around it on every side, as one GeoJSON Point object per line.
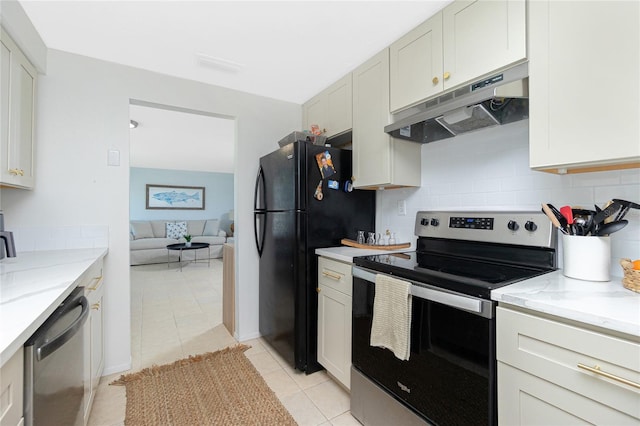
{"type": "Point", "coordinates": [391, 326]}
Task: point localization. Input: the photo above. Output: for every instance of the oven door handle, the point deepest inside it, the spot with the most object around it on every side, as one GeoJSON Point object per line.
{"type": "Point", "coordinates": [423, 291]}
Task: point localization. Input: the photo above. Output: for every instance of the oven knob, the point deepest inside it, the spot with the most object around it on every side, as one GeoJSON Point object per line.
{"type": "Point", "coordinates": [435, 222]}
{"type": "Point", "coordinates": [513, 225]}
{"type": "Point", "coordinates": [424, 221]}
{"type": "Point", "coordinates": [530, 226]}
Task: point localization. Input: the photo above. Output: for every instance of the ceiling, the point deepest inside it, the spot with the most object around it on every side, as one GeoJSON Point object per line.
{"type": "Point", "coordinates": [177, 140]}
{"type": "Point", "coordinates": [287, 50]}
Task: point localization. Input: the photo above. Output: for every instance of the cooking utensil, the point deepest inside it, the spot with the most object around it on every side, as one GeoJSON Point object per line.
{"type": "Point", "coordinates": [626, 205]}
{"type": "Point", "coordinates": [560, 217]}
{"type": "Point", "coordinates": [583, 219]}
{"type": "Point", "coordinates": [568, 214]}
{"type": "Point", "coordinates": [606, 212]}
{"type": "Point", "coordinates": [554, 220]}
{"type": "Point", "coordinates": [611, 227]}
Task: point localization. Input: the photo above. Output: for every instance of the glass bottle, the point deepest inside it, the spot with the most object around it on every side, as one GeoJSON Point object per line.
{"type": "Point", "coordinates": [371, 240]}
{"type": "Point", "coordinates": [361, 239]}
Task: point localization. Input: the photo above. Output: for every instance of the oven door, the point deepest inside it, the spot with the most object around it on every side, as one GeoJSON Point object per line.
{"type": "Point", "coordinates": [450, 376]}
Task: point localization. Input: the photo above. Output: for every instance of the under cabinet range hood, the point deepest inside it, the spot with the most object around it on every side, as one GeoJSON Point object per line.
{"type": "Point", "coordinates": [499, 99]}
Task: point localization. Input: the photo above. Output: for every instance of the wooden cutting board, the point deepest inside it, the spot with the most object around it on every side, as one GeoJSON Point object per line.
{"type": "Point", "coordinates": [351, 243]}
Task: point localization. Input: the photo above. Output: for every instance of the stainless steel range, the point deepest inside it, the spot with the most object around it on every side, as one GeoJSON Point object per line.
{"type": "Point", "coordinates": [450, 376]}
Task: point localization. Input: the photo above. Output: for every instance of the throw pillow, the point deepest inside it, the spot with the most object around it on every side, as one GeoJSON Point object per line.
{"type": "Point", "coordinates": [176, 230]}
{"type": "Point", "coordinates": [141, 230]}
{"type": "Point", "coordinates": [211, 228]}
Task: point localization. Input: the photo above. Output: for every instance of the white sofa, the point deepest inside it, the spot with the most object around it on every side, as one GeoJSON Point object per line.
{"type": "Point", "coordinates": [148, 240]}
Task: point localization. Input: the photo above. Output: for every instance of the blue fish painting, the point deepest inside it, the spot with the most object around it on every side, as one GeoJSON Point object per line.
{"type": "Point", "coordinates": [176, 197]}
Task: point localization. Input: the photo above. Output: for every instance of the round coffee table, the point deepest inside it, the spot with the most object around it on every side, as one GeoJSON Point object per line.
{"type": "Point", "coordinates": [193, 246]}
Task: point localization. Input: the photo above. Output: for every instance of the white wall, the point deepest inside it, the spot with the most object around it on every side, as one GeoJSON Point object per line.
{"type": "Point", "coordinates": [83, 111]}
{"type": "Point", "coordinates": [489, 170]}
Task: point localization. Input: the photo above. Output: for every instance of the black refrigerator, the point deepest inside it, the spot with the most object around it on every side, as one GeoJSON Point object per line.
{"type": "Point", "coordinates": [303, 201]}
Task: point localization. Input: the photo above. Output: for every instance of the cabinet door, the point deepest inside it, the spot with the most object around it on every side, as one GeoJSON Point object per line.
{"type": "Point", "coordinates": [331, 109]}
{"type": "Point", "coordinates": [314, 111]}
{"type": "Point", "coordinates": [482, 36]}
{"type": "Point", "coordinates": [371, 145]}
{"type": "Point", "coordinates": [339, 106]}
{"type": "Point", "coordinates": [415, 64]}
{"type": "Point", "coordinates": [524, 399]}
{"type": "Point", "coordinates": [11, 389]}
{"type": "Point", "coordinates": [97, 342]}
{"type": "Point", "coordinates": [19, 85]}
{"type": "Point", "coordinates": [585, 90]}
{"type": "Point", "coordinates": [334, 333]}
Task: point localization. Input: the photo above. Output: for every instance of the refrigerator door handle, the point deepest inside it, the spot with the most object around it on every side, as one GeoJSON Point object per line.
{"type": "Point", "coordinates": [259, 190]}
{"type": "Point", "coordinates": [259, 241]}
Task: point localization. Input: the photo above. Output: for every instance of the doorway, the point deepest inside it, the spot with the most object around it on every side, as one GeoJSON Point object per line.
{"type": "Point", "coordinates": [185, 148]}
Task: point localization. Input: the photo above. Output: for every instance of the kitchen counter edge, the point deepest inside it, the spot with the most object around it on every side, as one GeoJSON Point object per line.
{"type": "Point", "coordinates": [606, 305]}
{"type": "Point", "coordinates": [346, 253]}
{"type": "Point", "coordinates": [32, 285]}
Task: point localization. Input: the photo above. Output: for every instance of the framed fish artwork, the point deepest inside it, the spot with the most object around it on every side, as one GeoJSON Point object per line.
{"type": "Point", "coordinates": [168, 197]}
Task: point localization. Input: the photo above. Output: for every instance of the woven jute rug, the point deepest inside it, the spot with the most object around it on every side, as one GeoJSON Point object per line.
{"type": "Point", "coordinates": [216, 388]}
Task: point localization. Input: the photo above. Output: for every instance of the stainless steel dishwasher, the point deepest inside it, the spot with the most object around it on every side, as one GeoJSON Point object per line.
{"type": "Point", "coordinates": [54, 365]}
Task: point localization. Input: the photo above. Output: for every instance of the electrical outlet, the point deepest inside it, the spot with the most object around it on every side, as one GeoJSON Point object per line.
{"type": "Point", "coordinates": [402, 208]}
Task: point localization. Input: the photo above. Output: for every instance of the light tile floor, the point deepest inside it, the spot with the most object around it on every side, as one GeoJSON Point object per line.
{"type": "Point", "coordinates": [176, 314]}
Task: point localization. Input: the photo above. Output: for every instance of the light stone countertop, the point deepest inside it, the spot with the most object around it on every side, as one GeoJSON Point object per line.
{"type": "Point", "coordinates": [346, 253]}
{"type": "Point", "coordinates": [32, 285]}
{"type": "Point", "coordinates": [602, 304]}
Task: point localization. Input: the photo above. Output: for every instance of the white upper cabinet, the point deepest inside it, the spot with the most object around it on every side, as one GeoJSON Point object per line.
{"type": "Point", "coordinates": [482, 36]}
{"type": "Point", "coordinates": [331, 110]}
{"type": "Point", "coordinates": [378, 159]}
{"type": "Point", "coordinates": [465, 41]}
{"type": "Point", "coordinates": [415, 66]}
{"type": "Point", "coordinates": [584, 70]}
{"type": "Point", "coordinates": [17, 102]}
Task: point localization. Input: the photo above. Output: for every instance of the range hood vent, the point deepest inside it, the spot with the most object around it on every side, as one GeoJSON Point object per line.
{"type": "Point", "coordinates": [496, 100]}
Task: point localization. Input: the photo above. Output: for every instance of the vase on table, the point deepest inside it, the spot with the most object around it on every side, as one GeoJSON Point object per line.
{"type": "Point", "coordinates": [187, 244]}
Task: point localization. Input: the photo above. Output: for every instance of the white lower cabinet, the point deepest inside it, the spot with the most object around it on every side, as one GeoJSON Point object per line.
{"type": "Point", "coordinates": [334, 318]}
{"type": "Point", "coordinates": [544, 376]}
{"type": "Point", "coordinates": [11, 390]}
{"type": "Point", "coordinates": [94, 336]}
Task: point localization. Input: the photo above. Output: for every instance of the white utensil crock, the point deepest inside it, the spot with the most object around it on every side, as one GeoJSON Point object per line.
{"type": "Point", "coordinates": [586, 258]}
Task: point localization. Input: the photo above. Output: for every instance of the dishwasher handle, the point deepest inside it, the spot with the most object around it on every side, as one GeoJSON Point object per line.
{"type": "Point", "coordinates": [49, 346]}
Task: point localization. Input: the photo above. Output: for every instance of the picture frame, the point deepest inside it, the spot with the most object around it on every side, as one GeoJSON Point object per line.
{"type": "Point", "coordinates": [325, 164]}
{"type": "Point", "coordinates": [170, 197]}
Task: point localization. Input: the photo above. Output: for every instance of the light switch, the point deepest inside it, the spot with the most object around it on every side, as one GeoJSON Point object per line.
{"type": "Point", "coordinates": [113, 157]}
{"type": "Point", "coordinates": [402, 208]}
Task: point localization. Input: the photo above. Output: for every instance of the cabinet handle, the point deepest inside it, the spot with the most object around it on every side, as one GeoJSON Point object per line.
{"type": "Point", "coordinates": [96, 306]}
{"type": "Point", "coordinates": [16, 172]}
{"type": "Point", "coordinates": [330, 275]}
{"type": "Point", "coordinates": [435, 80]}
{"type": "Point", "coordinates": [447, 75]}
{"type": "Point", "coordinates": [98, 280]}
{"type": "Point", "coordinates": [596, 370]}
{"type": "Point", "coordinates": [317, 289]}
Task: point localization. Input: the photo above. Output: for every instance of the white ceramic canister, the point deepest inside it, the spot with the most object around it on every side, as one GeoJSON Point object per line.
{"type": "Point", "coordinates": [586, 258]}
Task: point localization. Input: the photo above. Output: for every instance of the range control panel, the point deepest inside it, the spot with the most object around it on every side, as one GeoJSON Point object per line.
{"type": "Point", "coordinates": [521, 228]}
{"type": "Point", "coordinates": [471, 222]}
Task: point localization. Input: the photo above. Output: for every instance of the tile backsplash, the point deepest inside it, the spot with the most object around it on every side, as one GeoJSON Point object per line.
{"type": "Point", "coordinates": [61, 237]}
{"type": "Point", "coordinates": [489, 170]}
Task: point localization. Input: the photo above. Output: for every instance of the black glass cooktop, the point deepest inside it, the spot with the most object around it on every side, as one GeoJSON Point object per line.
{"type": "Point", "coordinates": [473, 277]}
